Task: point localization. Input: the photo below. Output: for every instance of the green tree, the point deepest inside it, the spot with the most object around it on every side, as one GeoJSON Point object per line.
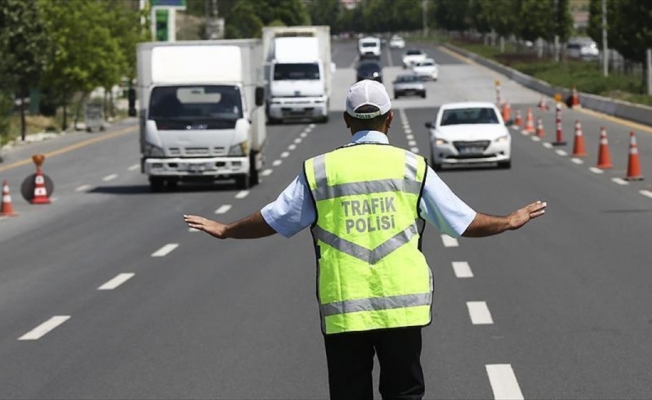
{"type": "Point", "coordinates": [535, 21]}
{"type": "Point", "coordinates": [563, 21]}
{"type": "Point", "coordinates": [24, 45]}
{"type": "Point", "coordinates": [630, 30]}
{"type": "Point", "coordinates": [325, 12]}
{"type": "Point", "coordinates": [247, 17]}
{"type": "Point", "coordinates": [243, 22]}
{"type": "Point", "coordinates": [500, 16]}
{"type": "Point", "coordinates": [452, 15]}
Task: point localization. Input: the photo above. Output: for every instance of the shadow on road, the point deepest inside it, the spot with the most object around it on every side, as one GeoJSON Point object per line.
{"type": "Point", "coordinates": [189, 187]}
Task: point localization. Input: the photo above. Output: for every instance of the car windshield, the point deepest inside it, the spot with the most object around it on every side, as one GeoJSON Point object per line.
{"type": "Point", "coordinates": [426, 64]}
{"type": "Point", "coordinates": [296, 72]}
{"type": "Point", "coordinates": [407, 78]}
{"type": "Point", "coordinates": [475, 115]}
{"type": "Point", "coordinates": [413, 52]}
{"type": "Point", "coordinates": [369, 44]}
{"type": "Point", "coordinates": [195, 103]}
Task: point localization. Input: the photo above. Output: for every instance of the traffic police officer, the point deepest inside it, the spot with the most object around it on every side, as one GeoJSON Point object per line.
{"type": "Point", "coordinates": [367, 203]}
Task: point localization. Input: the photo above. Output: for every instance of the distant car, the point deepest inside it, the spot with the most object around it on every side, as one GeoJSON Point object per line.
{"type": "Point", "coordinates": [369, 47]}
{"type": "Point", "coordinates": [396, 42]}
{"type": "Point", "coordinates": [413, 56]}
{"type": "Point", "coordinates": [469, 133]}
{"type": "Point", "coordinates": [584, 49]}
{"type": "Point", "coordinates": [426, 69]}
{"type": "Point", "coordinates": [409, 85]}
{"type": "Point", "coordinates": [369, 70]}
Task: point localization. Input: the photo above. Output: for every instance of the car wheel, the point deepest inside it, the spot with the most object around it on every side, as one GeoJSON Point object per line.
{"type": "Point", "coordinates": [243, 182]}
{"type": "Point", "coordinates": [423, 95]}
{"type": "Point", "coordinates": [505, 164]}
{"type": "Point", "coordinates": [156, 185]}
{"type": "Point", "coordinates": [172, 184]}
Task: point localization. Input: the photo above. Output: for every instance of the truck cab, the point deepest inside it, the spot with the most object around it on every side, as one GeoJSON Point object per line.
{"type": "Point", "coordinates": [369, 47]}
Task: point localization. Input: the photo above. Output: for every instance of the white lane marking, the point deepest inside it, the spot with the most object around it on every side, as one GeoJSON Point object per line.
{"type": "Point", "coordinates": [547, 145]}
{"type": "Point", "coordinates": [45, 327]}
{"type": "Point", "coordinates": [412, 143]}
{"type": "Point", "coordinates": [596, 170]}
{"type": "Point", "coordinates": [619, 181]}
{"type": "Point", "coordinates": [408, 130]}
{"type": "Point", "coordinates": [110, 177]}
{"type": "Point", "coordinates": [577, 161]}
{"type": "Point", "coordinates": [266, 172]}
{"type": "Point", "coordinates": [449, 241]}
{"type": "Point", "coordinates": [503, 382]}
{"type": "Point", "coordinates": [297, 140]}
{"type": "Point", "coordinates": [462, 269]}
{"type": "Point", "coordinates": [312, 126]}
{"type": "Point", "coordinates": [276, 163]}
{"type": "Point", "coordinates": [561, 152]}
{"type": "Point", "coordinates": [536, 139]}
{"type": "Point", "coordinates": [646, 193]}
{"type": "Point", "coordinates": [409, 137]}
{"type": "Point", "coordinates": [117, 281]}
{"type": "Point", "coordinates": [54, 199]}
{"type": "Point", "coordinates": [165, 250]}
{"type": "Point", "coordinates": [414, 149]}
{"type": "Point", "coordinates": [242, 194]}
{"type": "Point", "coordinates": [133, 167]}
{"type": "Point", "coordinates": [479, 313]}
{"type": "Point", "coordinates": [304, 134]}
{"type": "Point", "coordinates": [285, 154]}
{"type": "Point", "coordinates": [193, 230]}
{"type": "Point", "coordinates": [83, 188]}
{"type": "Point", "coordinates": [292, 146]}
{"type": "Point", "coordinates": [223, 209]}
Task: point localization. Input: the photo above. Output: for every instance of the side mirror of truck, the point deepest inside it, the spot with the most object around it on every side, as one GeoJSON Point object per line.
{"type": "Point", "coordinates": [131, 95]}
{"type": "Point", "coordinates": [260, 96]}
{"type": "Point", "coordinates": [429, 125]}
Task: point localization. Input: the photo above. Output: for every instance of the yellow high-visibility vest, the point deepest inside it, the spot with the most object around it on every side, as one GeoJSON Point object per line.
{"type": "Point", "coordinates": [371, 272]}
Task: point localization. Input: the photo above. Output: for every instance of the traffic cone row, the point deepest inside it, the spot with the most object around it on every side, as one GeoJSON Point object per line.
{"type": "Point", "coordinates": [507, 111]}
{"type": "Point", "coordinates": [518, 121]}
{"type": "Point", "coordinates": [529, 122]}
{"type": "Point", "coordinates": [633, 164]}
{"type": "Point", "coordinates": [540, 132]}
{"type": "Point", "coordinates": [578, 143]}
{"type": "Point", "coordinates": [604, 158]}
{"type": "Point", "coordinates": [543, 104]}
{"type": "Point", "coordinates": [575, 98]}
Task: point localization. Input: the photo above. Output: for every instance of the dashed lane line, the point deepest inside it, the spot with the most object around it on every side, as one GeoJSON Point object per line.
{"type": "Point", "coordinates": [304, 134]}
{"type": "Point", "coordinates": [110, 177]}
{"type": "Point", "coordinates": [596, 170]}
{"type": "Point", "coordinates": [223, 209]}
{"type": "Point", "coordinates": [462, 269]}
{"type": "Point", "coordinates": [242, 194]}
{"type": "Point", "coordinates": [292, 147]}
{"type": "Point", "coordinates": [479, 313]}
{"type": "Point", "coordinates": [193, 230]}
{"type": "Point", "coordinates": [133, 167]}
{"type": "Point", "coordinates": [117, 281]}
{"type": "Point", "coordinates": [535, 138]}
{"type": "Point", "coordinates": [577, 161]}
{"type": "Point", "coordinates": [547, 145]}
{"type": "Point", "coordinates": [165, 250]}
{"type": "Point", "coordinates": [646, 193]}
{"type": "Point", "coordinates": [285, 154]}
{"type": "Point", "coordinates": [267, 172]}
{"type": "Point", "coordinates": [276, 163]}
{"type": "Point", "coordinates": [412, 143]}
{"type": "Point", "coordinates": [503, 382]}
{"type": "Point", "coordinates": [619, 181]}
{"type": "Point", "coordinates": [297, 140]}
{"type": "Point", "coordinates": [83, 188]}
{"type": "Point", "coordinates": [449, 241]}
{"type": "Point", "coordinates": [45, 327]}
{"type": "Point", "coordinates": [561, 153]}
{"type": "Point", "coordinates": [414, 149]}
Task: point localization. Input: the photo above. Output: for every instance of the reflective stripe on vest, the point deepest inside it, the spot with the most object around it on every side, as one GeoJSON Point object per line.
{"type": "Point", "coordinates": [404, 280]}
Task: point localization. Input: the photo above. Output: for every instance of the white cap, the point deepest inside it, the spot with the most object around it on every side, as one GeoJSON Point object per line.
{"type": "Point", "coordinates": [367, 93]}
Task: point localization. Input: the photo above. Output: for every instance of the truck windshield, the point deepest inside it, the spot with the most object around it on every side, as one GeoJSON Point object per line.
{"type": "Point", "coordinates": [296, 72]}
{"type": "Point", "coordinates": [196, 103]}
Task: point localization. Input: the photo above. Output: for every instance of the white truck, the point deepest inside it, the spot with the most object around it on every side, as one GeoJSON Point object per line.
{"type": "Point", "coordinates": [201, 111]}
{"type": "Point", "coordinates": [298, 71]}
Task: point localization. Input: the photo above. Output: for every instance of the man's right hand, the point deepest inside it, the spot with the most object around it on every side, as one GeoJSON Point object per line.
{"type": "Point", "coordinates": [213, 228]}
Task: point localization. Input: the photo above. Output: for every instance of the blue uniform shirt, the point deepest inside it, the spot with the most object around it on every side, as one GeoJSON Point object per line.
{"type": "Point", "coordinates": [294, 210]}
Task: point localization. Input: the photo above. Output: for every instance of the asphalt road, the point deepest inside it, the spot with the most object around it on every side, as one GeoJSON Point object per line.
{"type": "Point", "coordinates": [557, 310]}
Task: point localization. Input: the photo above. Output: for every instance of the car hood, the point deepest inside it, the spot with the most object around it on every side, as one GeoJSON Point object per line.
{"type": "Point", "coordinates": [471, 132]}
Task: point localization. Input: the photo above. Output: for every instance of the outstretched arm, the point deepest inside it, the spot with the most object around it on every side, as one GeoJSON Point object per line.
{"type": "Point", "coordinates": [488, 225]}
{"type": "Point", "coordinates": [251, 227]}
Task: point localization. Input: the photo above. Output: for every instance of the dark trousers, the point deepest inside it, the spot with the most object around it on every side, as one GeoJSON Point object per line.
{"type": "Point", "coordinates": [350, 358]}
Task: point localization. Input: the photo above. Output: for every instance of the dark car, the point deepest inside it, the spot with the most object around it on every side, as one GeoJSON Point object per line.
{"type": "Point", "coordinates": [369, 70]}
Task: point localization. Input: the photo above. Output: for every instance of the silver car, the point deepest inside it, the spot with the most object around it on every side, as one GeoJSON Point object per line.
{"type": "Point", "coordinates": [409, 85]}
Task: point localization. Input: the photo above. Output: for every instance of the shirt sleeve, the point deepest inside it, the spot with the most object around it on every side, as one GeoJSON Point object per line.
{"type": "Point", "coordinates": [442, 208]}
{"type": "Point", "coordinates": [293, 210]}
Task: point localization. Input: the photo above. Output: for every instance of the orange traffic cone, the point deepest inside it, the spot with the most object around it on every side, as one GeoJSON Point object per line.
{"type": "Point", "coordinates": [604, 158]}
{"type": "Point", "coordinates": [543, 104]}
{"type": "Point", "coordinates": [529, 122]}
{"type": "Point", "coordinates": [507, 111]}
{"type": "Point", "coordinates": [575, 99]}
{"type": "Point", "coordinates": [7, 208]}
{"type": "Point", "coordinates": [578, 144]}
{"type": "Point", "coordinates": [633, 165]}
{"type": "Point", "coordinates": [40, 191]}
{"type": "Point", "coordinates": [540, 132]}
{"type": "Point", "coordinates": [518, 121]}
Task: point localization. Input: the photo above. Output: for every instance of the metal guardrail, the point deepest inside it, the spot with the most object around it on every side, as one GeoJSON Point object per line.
{"type": "Point", "coordinates": [617, 108]}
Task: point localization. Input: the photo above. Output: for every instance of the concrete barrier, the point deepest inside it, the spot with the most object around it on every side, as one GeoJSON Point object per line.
{"type": "Point", "coordinates": [617, 108]}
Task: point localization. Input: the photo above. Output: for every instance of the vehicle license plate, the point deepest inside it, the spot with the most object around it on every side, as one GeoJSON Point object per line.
{"type": "Point", "coordinates": [471, 150]}
{"type": "Point", "coordinates": [196, 167]}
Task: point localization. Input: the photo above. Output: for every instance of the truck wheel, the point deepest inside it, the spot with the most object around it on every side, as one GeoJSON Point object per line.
{"type": "Point", "coordinates": [156, 185]}
{"type": "Point", "coordinates": [172, 184]}
{"type": "Point", "coordinates": [324, 120]}
{"type": "Point", "coordinates": [243, 182]}
{"type": "Point", "coordinates": [273, 121]}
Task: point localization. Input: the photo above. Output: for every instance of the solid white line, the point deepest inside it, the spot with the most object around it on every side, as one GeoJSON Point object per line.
{"type": "Point", "coordinates": [165, 250]}
{"type": "Point", "coordinates": [547, 145]}
{"type": "Point", "coordinates": [577, 161]}
{"type": "Point", "coordinates": [536, 138]}
{"type": "Point", "coordinates": [479, 313]}
{"type": "Point", "coordinates": [297, 140]}
{"type": "Point", "coordinates": [646, 193]}
{"type": "Point", "coordinates": [223, 209]}
{"type": "Point", "coordinates": [449, 241]}
{"type": "Point", "coordinates": [45, 327]}
{"type": "Point", "coordinates": [83, 188]}
{"type": "Point", "coordinates": [134, 167]}
{"type": "Point", "coordinates": [266, 172]}
{"type": "Point", "coordinates": [276, 163]}
{"type": "Point", "coordinates": [110, 177]}
{"type": "Point", "coordinates": [292, 146]}
{"type": "Point", "coordinates": [503, 382]}
{"type": "Point", "coordinates": [462, 269]}
{"type": "Point", "coordinates": [619, 181]}
{"type": "Point", "coordinates": [561, 152]}
{"type": "Point", "coordinates": [242, 194]}
{"type": "Point", "coordinates": [409, 137]}
{"type": "Point", "coordinates": [117, 281]}
{"type": "Point", "coordinates": [596, 170]}
{"type": "Point", "coordinates": [285, 154]}
{"type": "Point", "coordinates": [414, 149]}
{"type": "Point", "coordinates": [412, 143]}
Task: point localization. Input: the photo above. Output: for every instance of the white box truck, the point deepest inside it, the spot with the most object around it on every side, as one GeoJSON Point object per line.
{"type": "Point", "coordinates": [201, 111]}
{"type": "Point", "coordinates": [299, 72]}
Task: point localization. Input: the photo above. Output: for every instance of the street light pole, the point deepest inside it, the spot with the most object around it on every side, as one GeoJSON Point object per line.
{"type": "Point", "coordinates": [605, 47]}
{"type": "Point", "coordinates": [424, 19]}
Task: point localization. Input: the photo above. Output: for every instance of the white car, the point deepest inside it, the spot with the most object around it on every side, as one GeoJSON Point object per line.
{"type": "Point", "coordinates": [369, 47]}
{"type": "Point", "coordinates": [469, 133]}
{"type": "Point", "coordinates": [426, 69]}
{"type": "Point", "coordinates": [413, 56]}
{"type": "Point", "coordinates": [396, 42]}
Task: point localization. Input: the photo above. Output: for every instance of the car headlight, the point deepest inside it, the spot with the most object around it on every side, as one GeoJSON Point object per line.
{"type": "Point", "coordinates": [440, 142]}
{"type": "Point", "coordinates": [152, 150]}
{"type": "Point", "coordinates": [239, 150]}
{"type": "Point", "coordinates": [502, 139]}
